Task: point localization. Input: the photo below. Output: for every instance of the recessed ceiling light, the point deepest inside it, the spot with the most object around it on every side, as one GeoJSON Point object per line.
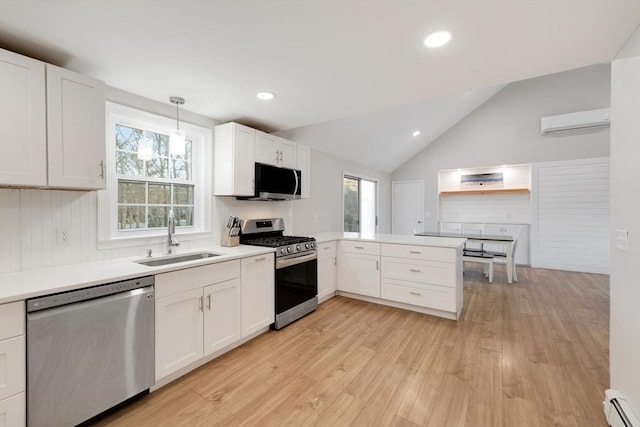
{"type": "Point", "coordinates": [416, 133]}
{"type": "Point", "coordinates": [265, 96]}
{"type": "Point", "coordinates": [437, 39]}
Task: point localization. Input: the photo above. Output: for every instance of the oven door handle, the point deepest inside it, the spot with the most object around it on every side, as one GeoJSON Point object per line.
{"type": "Point", "coordinates": [288, 262]}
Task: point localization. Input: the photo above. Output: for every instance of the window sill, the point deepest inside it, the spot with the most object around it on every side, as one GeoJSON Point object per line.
{"type": "Point", "coordinates": [128, 242]}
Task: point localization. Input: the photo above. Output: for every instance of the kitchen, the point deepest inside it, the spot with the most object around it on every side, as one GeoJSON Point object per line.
{"type": "Point", "coordinates": [44, 215]}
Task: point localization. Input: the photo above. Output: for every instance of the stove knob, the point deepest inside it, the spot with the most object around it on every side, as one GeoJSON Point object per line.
{"type": "Point", "coordinates": [298, 248]}
{"type": "Point", "coordinates": [313, 245]}
{"type": "Point", "coordinates": [289, 249]}
{"type": "Point", "coordinates": [307, 246]}
{"type": "Point", "coordinates": [281, 251]}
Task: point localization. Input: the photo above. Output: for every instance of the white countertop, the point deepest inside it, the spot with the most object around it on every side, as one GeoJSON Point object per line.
{"type": "Point", "coordinates": [445, 242]}
{"type": "Point", "coordinates": [31, 283]}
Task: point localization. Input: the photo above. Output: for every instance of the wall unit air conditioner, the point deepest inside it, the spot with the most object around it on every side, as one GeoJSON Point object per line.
{"type": "Point", "coordinates": [591, 119]}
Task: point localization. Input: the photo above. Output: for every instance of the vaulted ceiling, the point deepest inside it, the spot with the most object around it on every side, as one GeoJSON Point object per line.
{"type": "Point", "coordinates": [358, 68]}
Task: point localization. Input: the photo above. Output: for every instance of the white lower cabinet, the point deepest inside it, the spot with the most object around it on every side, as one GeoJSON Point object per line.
{"type": "Point", "coordinates": [359, 268]}
{"type": "Point", "coordinates": [327, 270]}
{"type": "Point", "coordinates": [427, 277]}
{"type": "Point", "coordinates": [197, 313]}
{"type": "Point", "coordinates": [222, 315]}
{"type": "Point", "coordinates": [13, 411]}
{"type": "Point", "coordinates": [178, 331]}
{"type": "Point", "coordinates": [258, 293]}
{"type": "Point", "coordinates": [12, 365]}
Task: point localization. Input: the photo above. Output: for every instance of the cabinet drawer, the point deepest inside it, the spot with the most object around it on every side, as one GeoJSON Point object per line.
{"type": "Point", "coordinates": [430, 296]}
{"type": "Point", "coordinates": [419, 252]}
{"type": "Point", "coordinates": [327, 250]}
{"type": "Point", "coordinates": [11, 319]}
{"type": "Point", "coordinates": [178, 281]}
{"type": "Point", "coordinates": [13, 411]}
{"type": "Point", "coordinates": [433, 272]}
{"type": "Point", "coordinates": [12, 366]}
{"type": "Point", "coordinates": [357, 247]}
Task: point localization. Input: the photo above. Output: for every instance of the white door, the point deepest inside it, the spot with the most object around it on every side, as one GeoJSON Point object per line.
{"type": "Point", "coordinates": [258, 293]}
{"type": "Point", "coordinates": [407, 207]}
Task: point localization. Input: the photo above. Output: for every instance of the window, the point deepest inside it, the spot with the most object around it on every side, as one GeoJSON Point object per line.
{"type": "Point", "coordinates": [141, 192]}
{"type": "Point", "coordinates": [360, 204]}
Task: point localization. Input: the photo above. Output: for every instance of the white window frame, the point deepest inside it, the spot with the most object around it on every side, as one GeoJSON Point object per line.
{"type": "Point", "coordinates": [347, 174]}
{"type": "Point", "coordinates": [201, 137]}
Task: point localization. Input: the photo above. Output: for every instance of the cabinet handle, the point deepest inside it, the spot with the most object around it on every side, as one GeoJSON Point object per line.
{"type": "Point", "coordinates": [377, 265]}
{"type": "Point", "coordinates": [277, 156]}
{"type": "Point", "coordinates": [358, 247]}
{"type": "Point", "coordinates": [102, 169]}
{"type": "Point", "coordinates": [201, 302]}
{"type": "Point", "coordinates": [260, 259]}
{"type": "Point", "coordinates": [415, 252]}
{"type": "Point", "coordinates": [209, 302]}
{"type": "Point", "coordinates": [415, 293]}
{"type": "Point", "coordinates": [326, 247]}
{"type": "Point", "coordinates": [281, 155]}
{"type": "Point", "coordinates": [415, 271]}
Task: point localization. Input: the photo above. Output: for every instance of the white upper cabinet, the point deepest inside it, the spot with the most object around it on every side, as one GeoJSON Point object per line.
{"type": "Point", "coordinates": [276, 151]}
{"type": "Point", "coordinates": [76, 130]}
{"type": "Point", "coordinates": [23, 139]}
{"type": "Point", "coordinates": [234, 160]}
{"type": "Point", "coordinates": [52, 123]}
{"type": "Point", "coordinates": [304, 165]}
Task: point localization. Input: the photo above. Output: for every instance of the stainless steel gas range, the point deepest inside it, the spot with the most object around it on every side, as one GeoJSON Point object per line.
{"type": "Point", "coordinates": [296, 269]}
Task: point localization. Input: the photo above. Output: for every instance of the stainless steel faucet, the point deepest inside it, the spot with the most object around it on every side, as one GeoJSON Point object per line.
{"type": "Point", "coordinates": [172, 243]}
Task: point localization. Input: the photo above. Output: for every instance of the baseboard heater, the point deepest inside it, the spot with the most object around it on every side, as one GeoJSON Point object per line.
{"type": "Point", "coordinates": [618, 411]}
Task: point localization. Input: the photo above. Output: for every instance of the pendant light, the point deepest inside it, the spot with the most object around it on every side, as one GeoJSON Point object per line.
{"type": "Point", "coordinates": [145, 149]}
{"type": "Point", "coordinates": [177, 138]}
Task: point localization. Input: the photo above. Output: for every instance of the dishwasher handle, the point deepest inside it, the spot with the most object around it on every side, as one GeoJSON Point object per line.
{"type": "Point", "coordinates": [79, 295]}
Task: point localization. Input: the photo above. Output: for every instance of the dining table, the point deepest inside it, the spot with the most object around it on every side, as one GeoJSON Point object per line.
{"type": "Point", "coordinates": [506, 240]}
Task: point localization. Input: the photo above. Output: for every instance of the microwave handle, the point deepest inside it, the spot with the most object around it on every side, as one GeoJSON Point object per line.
{"type": "Point", "coordinates": [295, 190]}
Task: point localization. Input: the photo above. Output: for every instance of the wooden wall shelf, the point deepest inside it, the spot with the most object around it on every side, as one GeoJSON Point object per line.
{"type": "Point", "coordinates": [486, 191]}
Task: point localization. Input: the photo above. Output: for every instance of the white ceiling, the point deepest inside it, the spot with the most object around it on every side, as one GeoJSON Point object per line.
{"type": "Point", "coordinates": [325, 60]}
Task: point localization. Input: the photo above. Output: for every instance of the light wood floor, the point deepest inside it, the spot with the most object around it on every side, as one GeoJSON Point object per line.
{"type": "Point", "coordinates": [530, 354]}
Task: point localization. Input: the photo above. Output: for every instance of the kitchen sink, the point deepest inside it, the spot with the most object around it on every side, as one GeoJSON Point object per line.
{"type": "Point", "coordinates": [154, 262]}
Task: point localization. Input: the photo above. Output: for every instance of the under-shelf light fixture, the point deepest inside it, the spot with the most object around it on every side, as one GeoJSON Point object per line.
{"type": "Point", "coordinates": [177, 138]}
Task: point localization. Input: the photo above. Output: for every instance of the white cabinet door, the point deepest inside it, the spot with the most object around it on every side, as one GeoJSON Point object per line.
{"type": "Point", "coordinates": [13, 411]}
{"type": "Point", "coordinates": [23, 143]}
{"type": "Point", "coordinates": [276, 151]}
{"type": "Point", "coordinates": [234, 160]}
{"type": "Point", "coordinates": [75, 130]}
{"type": "Point", "coordinates": [288, 153]}
{"type": "Point", "coordinates": [360, 274]}
{"type": "Point", "coordinates": [12, 366]}
{"type": "Point", "coordinates": [304, 165]}
{"type": "Point", "coordinates": [258, 293]}
{"type": "Point", "coordinates": [327, 270]}
{"type": "Point", "coordinates": [179, 331]}
{"type": "Point", "coordinates": [222, 315]}
{"type": "Point", "coordinates": [267, 149]}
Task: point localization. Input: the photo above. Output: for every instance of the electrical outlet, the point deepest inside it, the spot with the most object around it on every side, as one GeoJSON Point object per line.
{"type": "Point", "coordinates": [622, 240]}
{"type": "Point", "coordinates": [63, 236]}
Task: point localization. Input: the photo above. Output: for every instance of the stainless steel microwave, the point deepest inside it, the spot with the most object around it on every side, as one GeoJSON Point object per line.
{"type": "Point", "coordinates": [274, 183]}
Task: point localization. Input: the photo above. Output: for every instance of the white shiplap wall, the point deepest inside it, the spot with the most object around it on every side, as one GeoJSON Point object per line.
{"type": "Point", "coordinates": [486, 208]}
{"type": "Point", "coordinates": [570, 227]}
{"type": "Point", "coordinates": [31, 222]}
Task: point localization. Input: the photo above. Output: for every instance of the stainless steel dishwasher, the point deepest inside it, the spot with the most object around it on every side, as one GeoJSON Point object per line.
{"type": "Point", "coordinates": [88, 350]}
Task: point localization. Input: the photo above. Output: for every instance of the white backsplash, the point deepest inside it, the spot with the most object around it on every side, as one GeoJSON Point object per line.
{"type": "Point", "coordinates": [31, 223]}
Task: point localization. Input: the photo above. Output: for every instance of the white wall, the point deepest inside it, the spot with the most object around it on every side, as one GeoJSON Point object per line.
{"type": "Point", "coordinates": [625, 207]}
{"type": "Point", "coordinates": [323, 211]}
{"type": "Point", "coordinates": [505, 130]}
